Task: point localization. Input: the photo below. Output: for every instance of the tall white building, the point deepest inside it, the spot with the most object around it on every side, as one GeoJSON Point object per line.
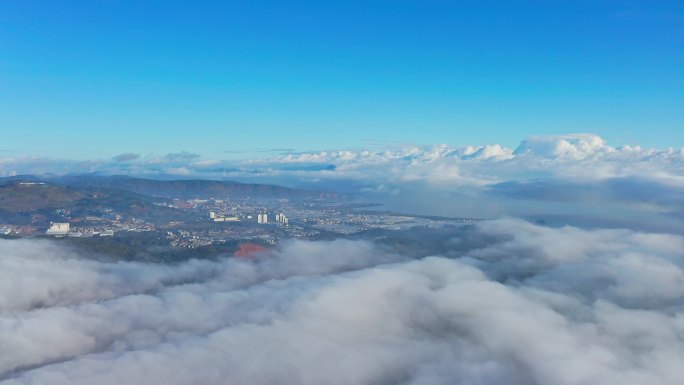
{"type": "Point", "coordinates": [281, 218]}
{"type": "Point", "coordinates": [212, 215]}
{"type": "Point", "coordinates": [265, 219]}
{"type": "Point", "coordinates": [260, 218]}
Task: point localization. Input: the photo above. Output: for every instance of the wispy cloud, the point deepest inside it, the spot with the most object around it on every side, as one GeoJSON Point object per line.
{"type": "Point", "coordinates": [126, 157]}
{"type": "Point", "coordinates": [181, 156]}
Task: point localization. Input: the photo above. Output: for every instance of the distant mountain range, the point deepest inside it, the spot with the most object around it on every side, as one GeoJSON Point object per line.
{"type": "Point", "coordinates": [172, 189]}
{"type": "Point", "coordinates": [187, 189]}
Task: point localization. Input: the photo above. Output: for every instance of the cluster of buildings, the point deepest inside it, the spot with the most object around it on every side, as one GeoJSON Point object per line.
{"type": "Point", "coordinates": [186, 239]}
{"type": "Point", "coordinates": [106, 229]}
{"type": "Point", "coordinates": [222, 218]}
{"type": "Point", "coordinates": [262, 218]}
{"type": "Point", "coordinates": [62, 229]}
{"type": "Point", "coordinates": [281, 218]}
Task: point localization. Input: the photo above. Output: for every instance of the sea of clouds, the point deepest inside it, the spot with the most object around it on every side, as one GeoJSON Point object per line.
{"type": "Point", "coordinates": [526, 304]}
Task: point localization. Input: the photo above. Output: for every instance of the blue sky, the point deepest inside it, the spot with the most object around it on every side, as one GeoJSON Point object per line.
{"type": "Point", "coordinates": [84, 79]}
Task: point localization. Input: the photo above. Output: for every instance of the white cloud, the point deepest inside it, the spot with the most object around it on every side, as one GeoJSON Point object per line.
{"type": "Point", "coordinates": [182, 171]}
{"type": "Point", "coordinates": [495, 151]}
{"type": "Point", "coordinates": [576, 155]}
{"type": "Point", "coordinates": [576, 146]}
{"type": "Point", "coordinates": [532, 305]}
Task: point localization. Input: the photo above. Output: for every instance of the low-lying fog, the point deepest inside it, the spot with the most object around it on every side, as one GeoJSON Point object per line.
{"type": "Point", "coordinates": [506, 302]}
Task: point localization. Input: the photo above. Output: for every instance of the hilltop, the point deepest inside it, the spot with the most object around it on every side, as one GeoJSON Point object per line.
{"type": "Point", "coordinates": [31, 201]}
{"type": "Point", "coordinates": [30, 195]}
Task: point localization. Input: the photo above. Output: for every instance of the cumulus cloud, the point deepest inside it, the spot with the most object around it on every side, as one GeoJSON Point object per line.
{"type": "Point", "coordinates": [523, 305]}
{"type": "Point", "coordinates": [577, 146]}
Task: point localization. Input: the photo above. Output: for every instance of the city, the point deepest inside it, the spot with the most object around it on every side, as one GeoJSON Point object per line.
{"type": "Point", "coordinates": [199, 223]}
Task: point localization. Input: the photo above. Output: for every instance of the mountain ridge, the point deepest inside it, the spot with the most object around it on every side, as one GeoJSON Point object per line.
{"type": "Point", "coordinates": [171, 189]}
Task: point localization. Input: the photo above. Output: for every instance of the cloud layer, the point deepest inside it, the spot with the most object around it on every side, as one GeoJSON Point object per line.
{"type": "Point", "coordinates": [523, 305]}
{"type": "Point", "coordinates": [561, 155]}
